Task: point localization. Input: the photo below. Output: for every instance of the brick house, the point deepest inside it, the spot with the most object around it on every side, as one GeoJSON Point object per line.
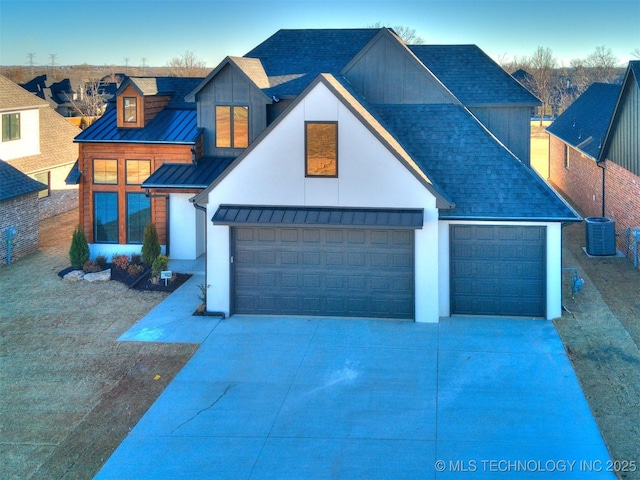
{"type": "Point", "coordinates": [18, 213]}
{"type": "Point", "coordinates": [594, 154]}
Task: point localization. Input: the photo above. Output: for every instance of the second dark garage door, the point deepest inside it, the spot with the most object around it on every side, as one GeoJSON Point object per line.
{"type": "Point", "coordinates": [498, 270]}
{"type": "Point", "coordinates": [352, 272]}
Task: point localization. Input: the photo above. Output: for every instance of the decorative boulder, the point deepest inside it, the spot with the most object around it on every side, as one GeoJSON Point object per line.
{"type": "Point", "coordinates": [103, 276]}
{"type": "Point", "coordinates": [74, 275]}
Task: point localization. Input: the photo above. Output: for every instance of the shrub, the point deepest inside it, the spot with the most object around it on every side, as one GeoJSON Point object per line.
{"type": "Point", "coordinates": [136, 258]}
{"type": "Point", "coordinates": [79, 251]}
{"type": "Point", "coordinates": [159, 264]}
{"type": "Point", "coordinates": [150, 244]}
{"type": "Point", "coordinates": [91, 267]}
{"type": "Point", "coordinates": [121, 261]}
{"type": "Point", "coordinates": [101, 260]}
{"type": "Point", "coordinates": [135, 269]}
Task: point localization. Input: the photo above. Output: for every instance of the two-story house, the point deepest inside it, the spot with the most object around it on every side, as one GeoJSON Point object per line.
{"type": "Point", "coordinates": [38, 142]}
{"type": "Point", "coordinates": [340, 175]}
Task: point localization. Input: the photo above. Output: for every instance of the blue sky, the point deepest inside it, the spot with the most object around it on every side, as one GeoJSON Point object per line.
{"type": "Point", "coordinates": [106, 32]}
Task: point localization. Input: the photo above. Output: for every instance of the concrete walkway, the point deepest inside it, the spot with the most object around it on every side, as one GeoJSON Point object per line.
{"type": "Point", "coordinates": [287, 398]}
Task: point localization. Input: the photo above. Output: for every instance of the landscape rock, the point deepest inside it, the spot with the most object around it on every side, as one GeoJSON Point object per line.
{"type": "Point", "coordinates": [74, 276]}
{"type": "Point", "coordinates": [103, 276]}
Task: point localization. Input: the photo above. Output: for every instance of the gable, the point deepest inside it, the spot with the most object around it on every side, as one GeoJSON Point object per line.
{"type": "Point", "coordinates": [272, 170]}
{"type": "Point", "coordinates": [386, 72]}
{"type": "Point", "coordinates": [623, 141]}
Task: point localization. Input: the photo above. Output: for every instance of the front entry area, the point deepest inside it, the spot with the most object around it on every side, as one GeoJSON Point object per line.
{"type": "Point", "coordinates": [350, 272]}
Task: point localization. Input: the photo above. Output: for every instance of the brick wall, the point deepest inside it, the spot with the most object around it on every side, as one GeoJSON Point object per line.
{"type": "Point", "coordinates": [622, 203]}
{"type": "Point", "coordinates": [581, 183]}
{"type": "Point", "coordinates": [21, 213]}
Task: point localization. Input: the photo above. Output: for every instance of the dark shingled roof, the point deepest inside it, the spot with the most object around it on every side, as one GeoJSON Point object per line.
{"type": "Point", "coordinates": [304, 54]}
{"type": "Point", "coordinates": [188, 175]}
{"type": "Point", "coordinates": [177, 87]}
{"type": "Point", "coordinates": [483, 178]}
{"type": "Point", "coordinates": [472, 76]}
{"type": "Point", "coordinates": [168, 126]}
{"type": "Point", "coordinates": [319, 216]}
{"type": "Point", "coordinates": [584, 124]}
{"type": "Point", "coordinates": [14, 183]}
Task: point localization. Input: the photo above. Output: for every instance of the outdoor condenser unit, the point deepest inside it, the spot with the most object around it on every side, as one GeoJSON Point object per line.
{"type": "Point", "coordinates": [601, 236]}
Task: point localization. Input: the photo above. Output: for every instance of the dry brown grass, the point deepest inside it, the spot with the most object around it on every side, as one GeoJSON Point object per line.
{"type": "Point", "coordinates": [70, 392]}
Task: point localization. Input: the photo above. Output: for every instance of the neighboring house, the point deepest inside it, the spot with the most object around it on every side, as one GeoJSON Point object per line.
{"type": "Point", "coordinates": [149, 129]}
{"type": "Point", "coordinates": [594, 154]}
{"type": "Point", "coordinates": [18, 214]}
{"type": "Point", "coordinates": [362, 185]}
{"type": "Point", "coordinates": [38, 142]}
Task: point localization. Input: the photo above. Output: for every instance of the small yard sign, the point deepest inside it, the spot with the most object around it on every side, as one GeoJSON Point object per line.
{"type": "Point", "coordinates": [166, 276]}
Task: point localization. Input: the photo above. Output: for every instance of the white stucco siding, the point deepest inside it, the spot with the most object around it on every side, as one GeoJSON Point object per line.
{"type": "Point", "coordinates": [186, 233]}
{"type": "Point", "coordinates": [553, 265]}
{"type": "Point", "coordinates": [369, 175]}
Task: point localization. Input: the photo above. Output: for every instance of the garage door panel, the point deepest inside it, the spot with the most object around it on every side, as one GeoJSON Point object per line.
{"type": "Point", "coordinates": [325, 272]}
{"type": "Point", "coordinates": [498, 270]}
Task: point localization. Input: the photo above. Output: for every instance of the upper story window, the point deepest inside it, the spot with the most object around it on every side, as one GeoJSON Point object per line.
{"type": "Point", "coordinates": [232, 126]}
{"type": "Point", "coordinates": [105, 172]}
{"type": "Point", "coordinates": [321, 149]}
{"type": "Point", "coordinates": [10, 126]}
{"type": "Point", "coordinates": [130, 109]}
{"type": "Point", "coordinates": [567, 156]}
{"type": "Point", "coordinates": [137, 171]}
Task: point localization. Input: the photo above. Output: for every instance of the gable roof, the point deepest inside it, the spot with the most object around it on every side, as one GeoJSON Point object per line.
{"type": "Point", "coordinates": [486, 181]}
{"type": "Point", "coordinates": [472, 76]}
{"type": "Point", "coordinates": [176, 87]}
{"type": "Point", "coordinates": [14, 97]}
{"type": "Point", "coordinates": [14, 183]}
{"type": "Point", "coordinates": [584, 124]}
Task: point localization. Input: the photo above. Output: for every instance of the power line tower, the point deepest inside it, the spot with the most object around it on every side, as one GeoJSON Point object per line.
{"type": "Point", "coordinates": [30, 62]}
{"type": "Point", "coordinates": [53, 57]}
{"type": "Point", "coordinates": [144, 65]}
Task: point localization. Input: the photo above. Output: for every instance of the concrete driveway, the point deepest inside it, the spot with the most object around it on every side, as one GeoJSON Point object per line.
{"type": "Point", "coordinates": [287, 398]}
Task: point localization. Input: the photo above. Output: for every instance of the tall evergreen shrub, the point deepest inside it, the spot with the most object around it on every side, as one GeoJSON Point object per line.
{"type": "Point", "coordinates": [79, 251]}
{"type": "Point", "coordinates": [150, 244]}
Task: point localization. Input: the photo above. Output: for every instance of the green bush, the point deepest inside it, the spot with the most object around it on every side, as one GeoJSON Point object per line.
{"type": "Point", "coordinates": [159, 264]}
{"type": "Point", "coordinates": [101, 260]}
{"type": "Point", "coordinates": [79, 251]}
{"type": "Point", "coordinates": [136, 258]}
{"type": "Point", "coordinates": [150, 244]}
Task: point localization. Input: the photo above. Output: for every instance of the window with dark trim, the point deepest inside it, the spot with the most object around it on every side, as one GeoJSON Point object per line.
{"type": "Point", "coordinates": [137, 171]}
{"type": "Point", "coordinates": [10, 126]}
{"type": "Point", "coordinates": [567, 153]}
{"type": "Point", "coordinates": [105, 171]}
{"type": "Point", "coordinates": [44, 177]}
{"type": "Point", "coordinates": [130, 109]}
{"type": "Point", "coordinates": [138, 215]}
{"type": "Point", "coordinates": [321, 149]}
{"type": "Point", "coordinates": [105, 217]}
{"type": "Point", "coordinates": [232, 126]}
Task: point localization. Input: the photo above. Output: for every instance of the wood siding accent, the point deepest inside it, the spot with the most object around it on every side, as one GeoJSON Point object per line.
{"type": "Point", "coordinates": [154, 105]}
{"type": "Point", "coordinates": [230, 87]}
{"type": "Point", "coordinates": [386, 73]}
{"type": "Point", "coordinates": [157, 154]}
{"type": "Point", "coordinates": [623, 147]}
{"type": "Point", "coordinates": [510, 125]}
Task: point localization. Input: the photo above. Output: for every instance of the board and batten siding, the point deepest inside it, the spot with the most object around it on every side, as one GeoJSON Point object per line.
{"type": "Point", "coordinates": [387, 74]}
{"type": "Point", "coordinates": [230, 87]}
{"type": "Point", "coordinates": [624, 146]}
{"type": "Point", "coordinates": [510, 125]}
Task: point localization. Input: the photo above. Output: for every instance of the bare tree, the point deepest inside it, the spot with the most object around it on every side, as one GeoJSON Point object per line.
{"type": "Point", "coordinates": [407, 34]}
{"type": "Point", "coordinates": [187, 65]}
{"type": "Point", "coordinates": [89, 99]}
{"type": "Point", "coordinates": [542, 65]}
{"type": "Point", "coordinates": [636, 53]}
{"type": "Point", "coordinates": [603, 65]}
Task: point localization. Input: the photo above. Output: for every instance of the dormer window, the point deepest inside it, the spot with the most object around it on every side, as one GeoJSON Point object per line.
{"type": "Point", "coordinates": [232, 126]}
{"type": "Point", "coordinates": [130, 109]}
{"type": "Point", "coordinates": [321, 149]}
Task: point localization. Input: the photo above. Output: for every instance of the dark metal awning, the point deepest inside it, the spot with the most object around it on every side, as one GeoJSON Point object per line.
{"type": "Point", "coordinates": [187, 175]}
{"type": "Point", "coordinates": [249, 215]}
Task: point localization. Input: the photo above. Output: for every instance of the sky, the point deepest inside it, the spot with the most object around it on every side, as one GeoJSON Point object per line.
{"type": "Point", "coordinates": [152, 32]}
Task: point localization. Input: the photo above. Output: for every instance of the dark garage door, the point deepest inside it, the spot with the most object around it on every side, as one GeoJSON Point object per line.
{"type": "Point", "coordinates": [323, 271]}
{"type": "Point", "coordinates": [498, 270]}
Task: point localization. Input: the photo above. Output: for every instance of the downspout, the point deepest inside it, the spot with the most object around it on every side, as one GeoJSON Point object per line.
{"type": "Point", "coordinates": [167, 223]}
{"type": "Point", "coordinates": [603, 187]}
{"type": "Point", "coordinates": [206, 283]}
